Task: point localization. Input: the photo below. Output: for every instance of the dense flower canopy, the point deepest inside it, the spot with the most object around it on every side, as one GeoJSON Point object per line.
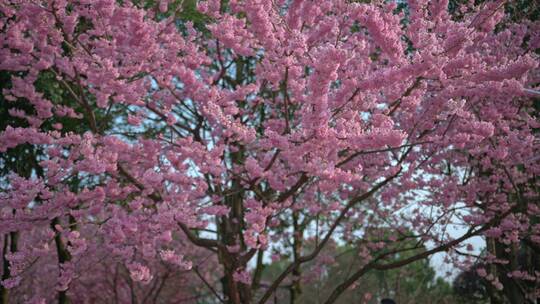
{"type": "Point", "coordinates": [188, 153]}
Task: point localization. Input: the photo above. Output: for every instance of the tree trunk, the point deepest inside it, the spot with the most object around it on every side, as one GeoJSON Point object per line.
{"type": "Point", "coordinates": [10, 245]}
{"type": "Point", "coordinates": [63, 257]}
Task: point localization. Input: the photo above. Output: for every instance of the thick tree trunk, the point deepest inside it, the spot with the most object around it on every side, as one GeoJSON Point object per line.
{"type": "Point", "coordinates": [230, 289]}
{"type": "Point", "coordinates": [511, 290]}
{"type": "Point", "coordinates": [10, 245]}
{"type": "Point", "coordinates": [4, 292]}
{"type": "Point", "coordinates": [230, 230]}
{"type": "Point", "coordinates": [63, 257]}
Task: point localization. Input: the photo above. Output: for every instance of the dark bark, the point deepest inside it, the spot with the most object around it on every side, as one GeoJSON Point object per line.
{"type": "Point", "coordinates": [63, 257]}
{"type": "Point", "coordinates": [10, 245]}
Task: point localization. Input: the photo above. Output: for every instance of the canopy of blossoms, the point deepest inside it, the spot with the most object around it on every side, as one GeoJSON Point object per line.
{"type": "Point", "coordinates": [175, 158]}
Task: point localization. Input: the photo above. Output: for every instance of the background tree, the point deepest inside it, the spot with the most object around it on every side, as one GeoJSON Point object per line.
{"type": "Point", "coordinates": [413, 283]}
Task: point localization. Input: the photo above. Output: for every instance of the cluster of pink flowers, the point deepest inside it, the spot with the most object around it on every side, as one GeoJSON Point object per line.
{"type": "Point", "coordinates": [199, 150]}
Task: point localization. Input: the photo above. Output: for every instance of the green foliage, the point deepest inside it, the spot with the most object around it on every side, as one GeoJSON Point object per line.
{"type": "Point", "coordinates": [23, 158]}
{"type": "Point", "coordinates": [414, 283]}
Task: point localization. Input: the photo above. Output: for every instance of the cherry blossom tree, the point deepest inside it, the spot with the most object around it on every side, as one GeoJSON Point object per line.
{"type": "Point", "coordinates": [177, 156]}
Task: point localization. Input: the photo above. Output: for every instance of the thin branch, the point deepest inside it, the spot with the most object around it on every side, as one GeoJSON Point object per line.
{"type": "Point", "coordinates": [197, 272]}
